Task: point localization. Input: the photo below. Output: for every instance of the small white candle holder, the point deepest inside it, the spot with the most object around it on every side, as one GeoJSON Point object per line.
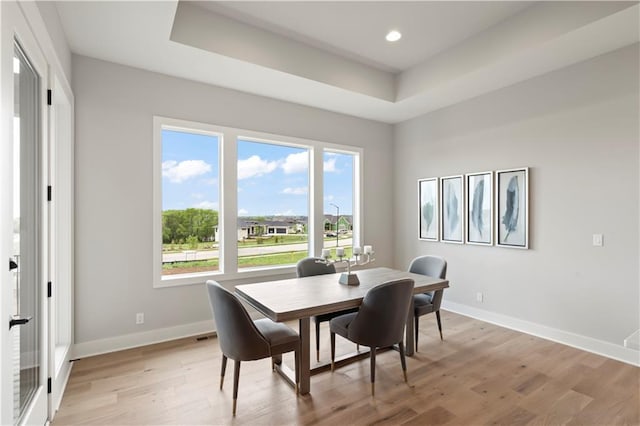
{"type": "Point", "coordinates": [349, 278]}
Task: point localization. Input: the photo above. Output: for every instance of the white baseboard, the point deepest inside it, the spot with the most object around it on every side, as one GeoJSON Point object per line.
{"type": "Point", "coordinates": [600, 347]}
{"type": "Point", "coordinates": [134, 340]}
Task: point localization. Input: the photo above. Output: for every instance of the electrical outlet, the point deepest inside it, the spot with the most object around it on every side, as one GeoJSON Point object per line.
{"type": "Point", "coordinates": [479, 297]}
{"type": "Point", "coordinates": [597, 240]}
{"type": "Point", "coordinates": [140, 318]}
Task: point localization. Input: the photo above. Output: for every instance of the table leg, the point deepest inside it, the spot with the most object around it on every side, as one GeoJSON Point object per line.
{"type": "Point", "coordinates": [305, 353]}
{"type": "Point", "coordinates": [409, 336]}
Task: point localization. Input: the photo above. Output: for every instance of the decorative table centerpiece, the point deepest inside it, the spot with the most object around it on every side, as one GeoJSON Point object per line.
{"type": "Point", "coordinates": [361, 256]}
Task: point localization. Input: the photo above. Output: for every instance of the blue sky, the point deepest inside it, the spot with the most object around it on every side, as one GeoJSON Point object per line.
{"type": "Point", "coordinates": [272, 179]}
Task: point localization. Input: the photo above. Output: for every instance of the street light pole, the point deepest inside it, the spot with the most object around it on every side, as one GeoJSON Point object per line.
{"type": "Point", "coordinates": [337, 220]}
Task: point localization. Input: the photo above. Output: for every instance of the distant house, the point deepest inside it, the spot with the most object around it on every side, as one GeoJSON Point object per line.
{"type": "Point", "coordinates": [345, 222]}
{"type": "Point", "coordinates": [282, 227]}
{"type": "Point", "coordinates": [252, 227]}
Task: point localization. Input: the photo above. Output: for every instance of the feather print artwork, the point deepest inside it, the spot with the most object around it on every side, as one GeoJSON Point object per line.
{"type": "Point", "coordinates": [510, 218]}
{"type": "Point", "coordinates": [476, 208]}
{"type": "Point", "coordinates": [427, 213]}
{"type": "Point", "coordinates": [452, 208]}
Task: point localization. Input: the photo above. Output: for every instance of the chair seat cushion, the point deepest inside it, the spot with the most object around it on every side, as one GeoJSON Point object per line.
{"type": "Point", "coordinates": [275, 333]}
{"type": "Point", "coordinates": [422, 299]}
{"type": "Point", "coordinates": [331, 315]}
{"type": "Point", "coordinates": [422, 304]}
{"type": "Point", "coordinates": [340, 324]}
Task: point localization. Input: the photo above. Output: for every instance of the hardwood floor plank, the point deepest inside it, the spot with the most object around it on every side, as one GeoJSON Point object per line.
{"type": "Point", "coordinates": [515, 416]}
{"type": "Point", "coordinates": [480, 374]}
{"type": "Point", "coordinates": [435, 416]}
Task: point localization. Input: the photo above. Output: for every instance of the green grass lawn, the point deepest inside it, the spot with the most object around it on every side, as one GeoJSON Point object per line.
{"type": "Point", "coordinates": [276, 259]}
{"type": "Point", "coordinates": [272, 240]}
{"type": "Point", "coordinates": [249, 242]}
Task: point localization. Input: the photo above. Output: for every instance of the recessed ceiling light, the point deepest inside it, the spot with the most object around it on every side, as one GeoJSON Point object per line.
{"type": "Point", "coordinates": [394, 35]}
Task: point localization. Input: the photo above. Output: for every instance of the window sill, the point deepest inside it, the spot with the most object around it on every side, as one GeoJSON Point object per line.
{"type": "Point", "coordinates": [248, 274]}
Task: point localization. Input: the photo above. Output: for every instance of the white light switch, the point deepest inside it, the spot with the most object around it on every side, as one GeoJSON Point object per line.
{"type": "Point", "coordinates": [597, 240]}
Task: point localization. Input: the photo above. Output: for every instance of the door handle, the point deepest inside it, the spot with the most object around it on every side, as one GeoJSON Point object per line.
{"type": "Point", "coordinates": [17, 320]}
{"type": "Point", "coordinates": [12, 264]}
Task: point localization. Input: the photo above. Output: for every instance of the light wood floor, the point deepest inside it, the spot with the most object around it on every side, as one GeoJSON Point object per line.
{"type": "Point", "coordinates": [480, 374]}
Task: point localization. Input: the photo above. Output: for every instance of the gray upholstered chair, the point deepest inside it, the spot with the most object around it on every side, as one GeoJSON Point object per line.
{"type": "Point", "coordinates": [427, 303]}
{"type": "Point", "coordinates": [316, 266]}
{"type": "Point", "coordinates": [243, 339]}
{"type": "Point", "coordinates": [379, 322]}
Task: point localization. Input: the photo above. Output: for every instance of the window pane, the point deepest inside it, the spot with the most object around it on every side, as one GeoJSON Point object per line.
{"type": "Point", "coordinates": [273, 187]}
{"type": "Point", "coordinates": [190, 197]}
{"type": "Point", "coordinates": [338, 201]}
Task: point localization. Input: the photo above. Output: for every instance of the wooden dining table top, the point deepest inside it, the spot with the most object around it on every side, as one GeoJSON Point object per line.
{"type": "Point", "coordinates": [296, 298]}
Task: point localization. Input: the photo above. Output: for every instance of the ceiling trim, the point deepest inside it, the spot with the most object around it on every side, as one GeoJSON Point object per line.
{"type": "Point", "coordinates": [201, 28]}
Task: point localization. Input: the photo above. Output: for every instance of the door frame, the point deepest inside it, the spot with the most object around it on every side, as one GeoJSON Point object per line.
{"type": "Point", "coordinates": [61, 225]}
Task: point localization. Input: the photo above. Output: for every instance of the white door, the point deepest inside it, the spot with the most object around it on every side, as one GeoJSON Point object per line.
{"type": "Point", "coordinates": [23, 220]}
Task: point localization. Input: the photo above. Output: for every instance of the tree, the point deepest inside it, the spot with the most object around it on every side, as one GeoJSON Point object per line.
{"type": "Point", "coordinates": [192, 241]}
{"type": "Point", "coordinates": [179, 225]}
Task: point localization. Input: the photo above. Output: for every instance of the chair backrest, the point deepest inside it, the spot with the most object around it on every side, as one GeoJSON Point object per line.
{"type": "Point", "coordinates": [432, 266]}
{"type": "Point", "coordinates": [383, 314]}
{"type": "Point", "coordinates": [314, 266]}
{"type": "Point", "coordinates": [238, 336]}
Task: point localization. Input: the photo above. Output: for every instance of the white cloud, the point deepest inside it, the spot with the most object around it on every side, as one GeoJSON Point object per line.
{"type": "Point", "coordinates": [179, 172]}
{"type": "Point", "coordinates": [296, 163]}
{"type": "Point", "coordinates": [329, 198]}
{"type": "Point", "coordinates": [255, 166]}
{"type": "Point", "coordinates": [296, 191]}
{"type": "Point", "coordinates": [206, 205]}
{"type": "Point", "coordinates": [286, 213]}
{"type": "Point", "coordinates": [211, 181]}
{"type": "Point", "coordinates": [330, 165]}
{"type": "Point", "coordinates": [243, 212]}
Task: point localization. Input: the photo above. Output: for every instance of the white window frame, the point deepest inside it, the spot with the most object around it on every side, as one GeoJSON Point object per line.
{"type": "Point", "coordinates": [228, 198]}
{"type": "Point", "coordinates": [268, 140]}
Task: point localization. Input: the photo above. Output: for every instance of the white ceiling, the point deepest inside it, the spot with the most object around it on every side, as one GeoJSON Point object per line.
{"type": "Point", "coordinates": [332, 55]}
{"type": "Point", "coordinates": [357, 29]}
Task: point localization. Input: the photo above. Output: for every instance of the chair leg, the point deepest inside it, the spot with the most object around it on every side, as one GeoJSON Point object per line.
{"type": "Point", "coordinates": [333, 350]}
{"type": "Point", "coordinates": [439, 323]}
{"type": "Point", "coordinates": [236, 379]}
{"type": "Point", "coordinates": [415, 329]}
{"type": "Point", "coordinates": [296, 360]}
{"type": "Point", "coordinates": [373, 370]}
{"type": "Point", "coordinates": [317, 341]}
{"type": "Point", "coordinates": [223, 370]}
{"type": "Point", "coordinates": [403, 361]}
{"type": "Point", "coordinates": [276, 360]}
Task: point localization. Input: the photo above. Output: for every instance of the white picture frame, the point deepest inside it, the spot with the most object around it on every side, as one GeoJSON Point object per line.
{"type": "Point", "coordinates": [452, 209]}
{"type": "Point", "coordinates": [479, 208]}
{"type": "Point", "coordinates": [512, 208]}
{"type": "Point", "coordinates": [429, 209]}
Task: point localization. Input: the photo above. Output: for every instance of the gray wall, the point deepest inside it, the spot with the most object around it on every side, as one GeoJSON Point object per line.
{"type": "Point", "coordinates": [115, 106]}
{"type": "Point", "coordinates": [577, 130]}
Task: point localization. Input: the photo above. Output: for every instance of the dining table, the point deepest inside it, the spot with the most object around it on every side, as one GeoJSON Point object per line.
{"type": "Point", "coordinates": [304, 297]}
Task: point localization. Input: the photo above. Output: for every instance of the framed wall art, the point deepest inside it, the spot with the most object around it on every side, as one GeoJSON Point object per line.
{"type": "Point", "coordinates": [451, 209]}
{"type": "Point", "coordinates": [429, 211]}
{"type": "Point", "coordinates": [479, 210]}
{"type": "Point", "coordinates": [512, 208]}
